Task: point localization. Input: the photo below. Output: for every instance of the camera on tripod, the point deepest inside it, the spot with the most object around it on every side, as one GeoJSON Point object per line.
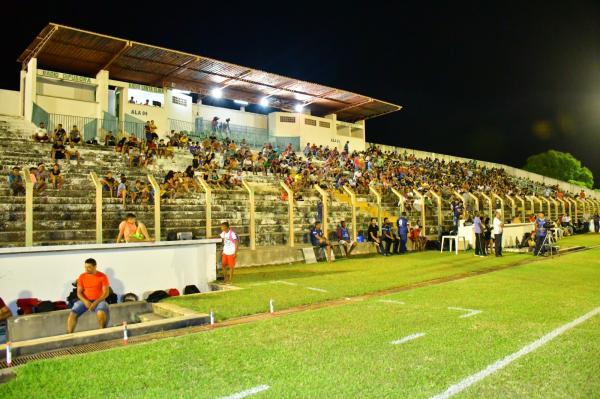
{"type": "Point", "coordinates": [549, 225]}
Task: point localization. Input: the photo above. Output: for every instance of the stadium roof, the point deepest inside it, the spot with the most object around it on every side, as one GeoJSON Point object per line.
{"type": "Point", "coordinates": [77, 51]}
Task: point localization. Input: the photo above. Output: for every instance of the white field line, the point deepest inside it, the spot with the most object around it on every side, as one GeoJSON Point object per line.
{"type": "Point", "coordinates": [316, 289]}
{"type": "Point", "coordinates": [407, 338]}
{"type": "Point", "coordinates": [247, 392]}
{"type": "Point", "coordinates": [471, 312]}
{"type": "Point", "coordinates": [492, 368]}
{"type": "Point", "coordinates": [283, 282]}
{"type": "Point", "coordinates": [392, 301]}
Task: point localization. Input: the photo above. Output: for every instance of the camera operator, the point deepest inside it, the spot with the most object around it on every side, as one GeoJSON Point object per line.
{"type": "Point", "coordinates": [541, 229]}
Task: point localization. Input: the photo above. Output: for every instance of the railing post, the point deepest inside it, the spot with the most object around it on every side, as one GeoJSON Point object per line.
{"type": "Point", "coordinates": [562, 205]}
{"type": "Point", "coordinates": [439, 206]}
{"type": "Point", "coordinates": [353, 205]}
{"type": "Point", "coordinates": [513, 211]}
{"type": "Point", "coordinates": [490, 206]}
{"type": "Point", "coordinates": [555, 202]}
{"type": "Point", "coordinates": [522, 201]}
{"type": "Point", "coordinates": [290, 195]}
{"type": "Point", "coordinates": [401, 198]}
{"type": "Point", "coordinates": [475, 199]}
{"type": "Point", "coordinates": [252, 206]}
{"type": "Point", "coordinates": [207, 204]}
{"type": "Point", "coordinates": [530, 199]}
{"type": "Point", "coordinates": [422, 209]}
{"type": "Point", "coordinates": [325, 200]}
{"type": "Point", "coordinates": [499, 198]}
{"type": "Point", "coordinates": [574, 203]}
{"type": "Point", "coordinates": [582, 202]}
{"type": "Point", "coordinates": [378, 199]}
{"type": "Point", "coordinates": [544, 199]}
{"type": "Point", "coordinates": [98, 188]}
{"type": "Point", "coordinates": [156, 189]}
{"type": "Point", "coordinates": [28, 207]}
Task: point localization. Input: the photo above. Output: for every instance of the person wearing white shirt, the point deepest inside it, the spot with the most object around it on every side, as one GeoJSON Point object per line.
{"type": "Point", "coordinates": [230, 248]}
{"type": "Point", "coordinates": [497, 231]}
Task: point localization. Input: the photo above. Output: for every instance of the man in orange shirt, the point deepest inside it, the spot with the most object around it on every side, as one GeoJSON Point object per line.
{"type": "Point", "coordinates": [92, 290]}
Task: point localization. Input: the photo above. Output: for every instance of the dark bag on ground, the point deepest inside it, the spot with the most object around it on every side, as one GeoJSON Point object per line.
{"type": "Point", "coordinates": [190, 289]}
{"type": "Point", "coordinates": [112, 297]}
{"type": "Point", "coordinates": [171, 236]}
{"type": "Point", "coordinates": [45, 306]}
{"type": "Point", "coordinates": [157, 296]}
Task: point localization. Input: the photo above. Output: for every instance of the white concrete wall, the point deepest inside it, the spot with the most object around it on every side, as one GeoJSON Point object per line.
{"type": "Point", "coordinates": [73, 91]}
{"type": "Point", "coordinates": [148, 113]}
{"type": "Point", "coordinates": [65, 106]}
{"type": "Point", "coordinates": [314, 134]}
{"type": "Point", "coordinates": [9, 102]}
{"type": "Point", "coordinates": [30, 93]}
{"type": "Point", "coordinates": [177, 111]}
{"type": "Point", "coordinates": [48, 272]}
{"type": "Point", "coordinates": [208, 112]}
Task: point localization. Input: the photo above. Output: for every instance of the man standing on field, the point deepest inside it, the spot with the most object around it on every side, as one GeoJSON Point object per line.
{"type": "Point", "coordinates": [230, 248]}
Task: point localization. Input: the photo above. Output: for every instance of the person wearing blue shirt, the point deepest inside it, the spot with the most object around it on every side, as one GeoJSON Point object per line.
{"type": "Point", "coordinates": [391, 241]}
{"type": "Point", "coordinates": [318, 240]}
{"type": "Point", "coordinates": [402, 224]}
{"type": "Point", "coordinates": [478, 230]}
{"type": "Point", "coordinates": [344, 239]}
{"type": "Point", "coordinates": [540, 233]}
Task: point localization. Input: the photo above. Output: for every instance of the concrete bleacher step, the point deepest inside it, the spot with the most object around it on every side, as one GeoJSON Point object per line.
{"type": "Point", "coordinates": [145, 317]}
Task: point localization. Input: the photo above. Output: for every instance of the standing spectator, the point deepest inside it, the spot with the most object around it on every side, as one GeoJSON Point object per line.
{"type": "Point", "coordinates": [487, 235]}
{"type": "Point", "coordinates": [347, 147]}
{"type": "Point", "coordinates": [479, 240]}
{"type": "Point", "coordinates": [373, 236]}
{"type": "Point", "coordinates": [392, 242]}
{"type": "Point", "coordinates": [131, 100]}
{"type": "Point", "coordinates": [15, 181]}
{"type": "Point", "coordinates": [540, 233]}
{"type": "Point", "coordinates": [343, 236]}
{"type": "Point", "coordinates": [498, 229]}
{"type": "Point", "coordinates": [318, 240]}
{"type": "Point", "coordinates": [92, 290]}
{"type": "Point", "coordinates": [230, 249]}
{"type": "Point", "coordinates": [214, 124]}
{"type": "Point", "coordinates": [226, 128]}
{"type": "Point", "coordinates": [596, 219]}
{"type": "Point", "coordinates": [41, 134]}
{"type": "Point", "coordinates": [402, 224]}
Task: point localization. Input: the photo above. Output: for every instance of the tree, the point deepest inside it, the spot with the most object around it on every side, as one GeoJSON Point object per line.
{"type": "Point", "coordinates": [562, 166]}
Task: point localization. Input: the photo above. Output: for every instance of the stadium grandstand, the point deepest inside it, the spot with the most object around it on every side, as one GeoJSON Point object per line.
{"type": "Point", "coordinates": [105, 127]}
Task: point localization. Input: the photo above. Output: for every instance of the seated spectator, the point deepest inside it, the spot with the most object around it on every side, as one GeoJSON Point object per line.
{"type": "Point", "coordinates": [109, 183]}
{"type": "Point", "coordinates": [71, 152]}
{"type": "Point", "coordinates": [38, 184]}
{"type": "Point", "coordinates": [121, 147]}
{"type": "Point", "coordinates": [5, 314]}
{"type": "Point", "coordinates": [56, 178]}
{"type": "Point", "coordinates": [344, 239]}
{"type": "Point", "coordinates": [75, 135]}
{"type": "Point", "coordinates": [135, 191]}
{"type": "Point", "coordinates": [58, 151]}
{"type": "Point", "coordinates": [391, 240]}
{"type": "Point", "coordinates": [238, 179]}
{"type": "Point", "coordinates": [147, 102]}
{"type": "Point", "coordinates": [122, 189]}
{"type": "Point", "coordinates": [373, 236]}
{"type": "Point", "coordinates": [132, 231]}
{"type": "Point", "coordinates": [41, 134]}
{"type": "Point", "coordinates": [131, 100]}
{"type": "Point", "coordinates": [183, 141]}
{"type": "Point", "coordinates": [15, 181]}
{"type": "Point", "coordinates": [169, 151]}
{"type": "Point", "coordinates": [59, 134]}
{"type": "Point", "coordinates": [92, 290]}
{"type": "Point", "coordinates": [134, 156]}
{"type": "Point", "coordinates": [318, 240]}
{"type": "Point", "coordinates": [109, 139]}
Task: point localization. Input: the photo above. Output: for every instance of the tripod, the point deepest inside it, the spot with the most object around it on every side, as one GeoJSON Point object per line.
{"type": "Point", "coordinates": [548, 244]}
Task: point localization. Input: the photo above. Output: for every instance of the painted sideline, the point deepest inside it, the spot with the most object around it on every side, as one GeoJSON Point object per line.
{"type": "Point", "coordinates": [407, 338]}
{"type": "Point", "coordinates": [247, 392]}
{"type": "Point", "coordinates": [492, 368]}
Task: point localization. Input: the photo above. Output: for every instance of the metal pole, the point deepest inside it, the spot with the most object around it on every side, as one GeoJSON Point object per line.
{"type": "Point", "coordinates": [290, 194]}
{"type": "Point", "coordinates": [98, 188]}
{"type": "Point", "coordinates": [156, 189]}
{"type": "Point", "coordinates": [252, 211]}
{"type": "Point", "coordinates": [28, 207]}
{"type": "Point", "coordinates": [378, 199]}
{"type": "Point", "coordinates": [353, 205]}
{"type": "Point", "coordinates": [207, 204]}
{"type": "Point", "coordinates": [325, 200]}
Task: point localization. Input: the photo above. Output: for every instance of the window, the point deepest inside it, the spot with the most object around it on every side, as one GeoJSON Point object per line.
{"type": "Point", "coordinates": [179, 101]}
{"type": "Point", "coordinates": [287, 119]}
{"type": "Point", "coordinates": [324, 124]}
{"type": "Point", "coordinates": [310, 122]}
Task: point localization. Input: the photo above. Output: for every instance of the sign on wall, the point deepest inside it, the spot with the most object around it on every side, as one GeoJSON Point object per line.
{"type": "Point", "coordinates": [146, 88]}
{"type": "Point", "coordinates": [66, 76]}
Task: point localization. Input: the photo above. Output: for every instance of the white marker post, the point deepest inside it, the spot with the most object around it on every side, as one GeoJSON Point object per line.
{"type": "Point", "coordinates": [212, 318]}
{"type": "Point", "coordinates": [8, 354]}
{"type": "Point", "coordinates": [271, 308]}
{"type": "Point", "coordinates": [125, 334]}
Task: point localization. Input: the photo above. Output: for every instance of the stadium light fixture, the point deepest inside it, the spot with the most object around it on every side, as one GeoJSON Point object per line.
{"type": "Point", "coordinates": [264, 102]}
{"type": "Point", "coordinates": [216, 92]}
{"type": "Point", "coordinates": [241, 102]}
{"type": "Point", "coordinates": [299, 107]}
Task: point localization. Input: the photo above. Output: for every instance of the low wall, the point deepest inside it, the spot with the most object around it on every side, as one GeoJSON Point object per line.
{"type": "Point", "coordinates": [47, 272]}
{"type": "Point", "coordinates": [510, 235]}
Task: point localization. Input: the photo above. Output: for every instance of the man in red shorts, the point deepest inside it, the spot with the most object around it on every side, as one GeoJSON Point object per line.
{"type": "Point", "coordinates": [230, 248]}
{"type": "Point", "coordinates": [92, 290]}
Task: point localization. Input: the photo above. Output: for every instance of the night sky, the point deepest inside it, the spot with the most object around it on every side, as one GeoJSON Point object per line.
{"type": "Point", "coordinates": [493, 82]}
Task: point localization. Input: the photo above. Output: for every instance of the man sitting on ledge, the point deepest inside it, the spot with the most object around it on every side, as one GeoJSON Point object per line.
{"type": "Point", "coordinates": [92, 290]}
{"type": "Point", "coordinates": [132, 231]}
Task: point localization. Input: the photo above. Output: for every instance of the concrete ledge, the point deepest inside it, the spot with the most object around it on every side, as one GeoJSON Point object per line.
{"type": "Point", "coordinates": [86, 337]}
{"type": "Point", "coordinates": [268, 256]}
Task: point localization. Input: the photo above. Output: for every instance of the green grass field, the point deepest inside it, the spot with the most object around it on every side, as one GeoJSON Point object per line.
{"type": "Point", "coordinates": [346, 351]}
